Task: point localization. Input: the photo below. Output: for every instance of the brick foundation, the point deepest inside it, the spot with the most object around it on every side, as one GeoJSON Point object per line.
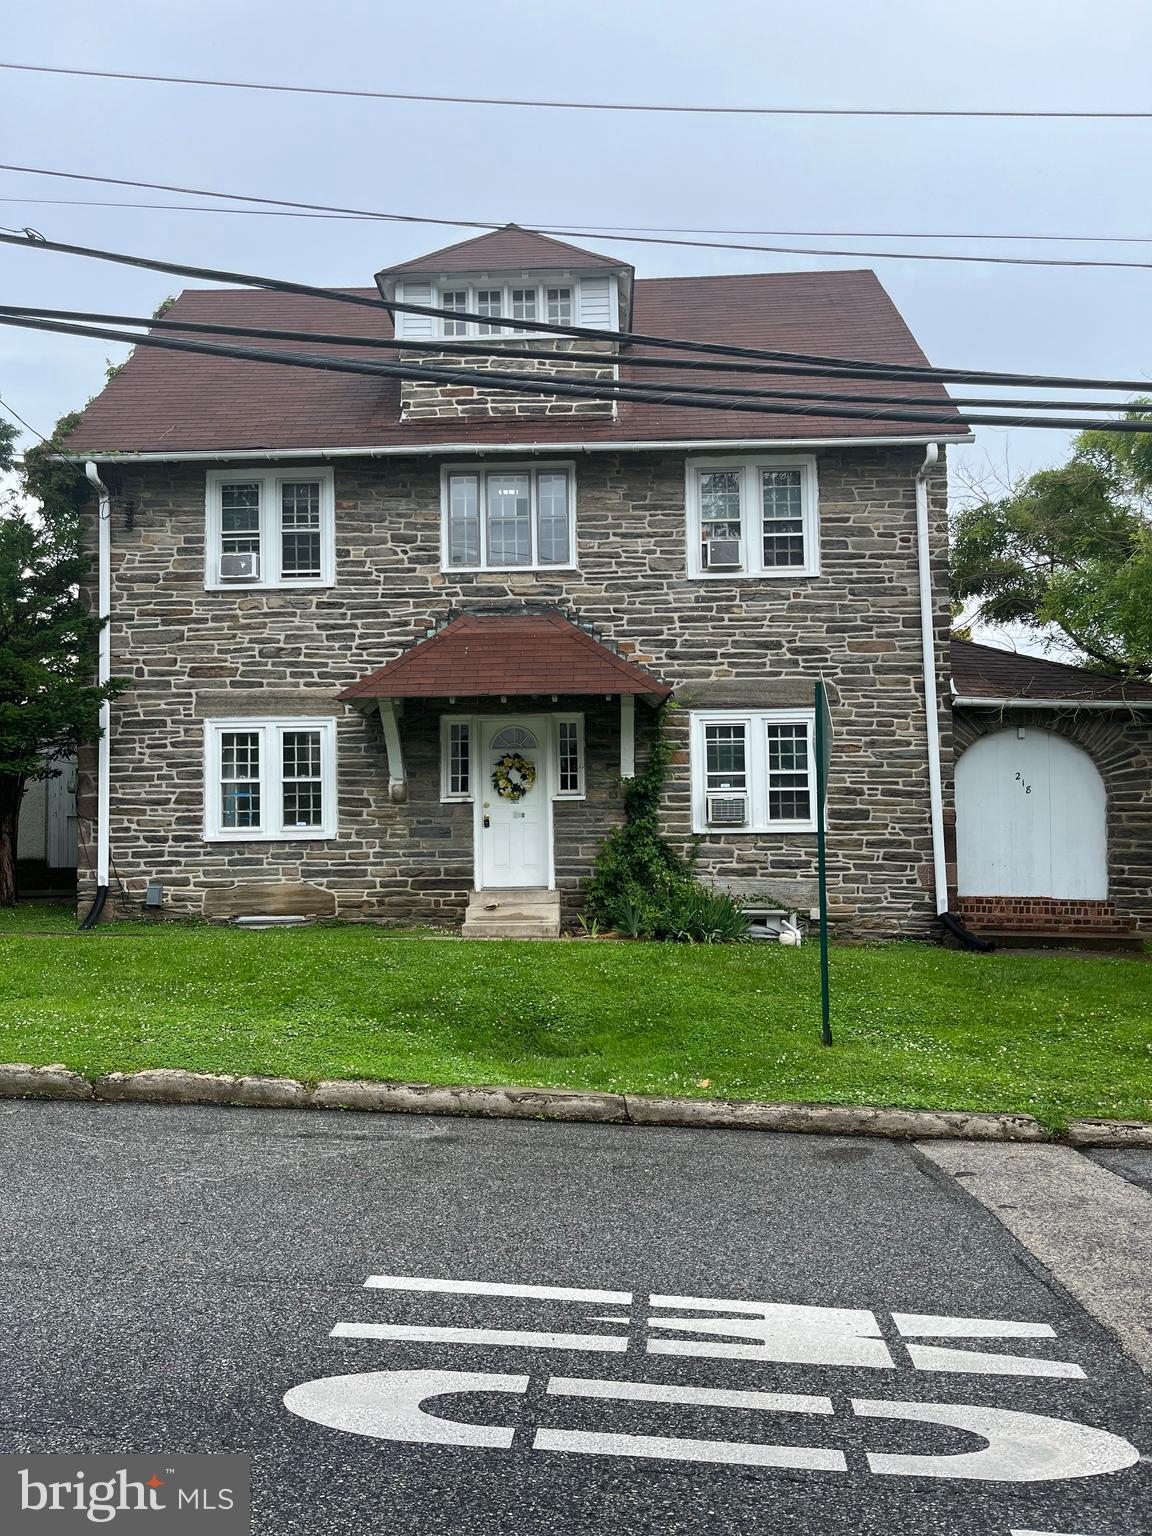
{"type": "Point", "coordinates": [1041, 914]}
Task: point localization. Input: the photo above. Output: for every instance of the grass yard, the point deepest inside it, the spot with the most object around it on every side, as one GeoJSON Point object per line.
{"type": "Point", "coordinates": [915, 1025]}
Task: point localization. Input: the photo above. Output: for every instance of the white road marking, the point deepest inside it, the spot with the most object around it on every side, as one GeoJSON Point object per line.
{"type": "Point", "coordinates": [415, 1334]}
{"type": "Point", "coordinates": [386, 1405]}
{"type": "Point", "coordinates": [673, 1448]}
{"type": "Point", "coordinates": [923, 1325]}
{"type": "Point", "coordinates": [1044, 1533]}
{"type": "Point", "coordinates": [1021, 1447]}
{"type": "Point", "coordinates": [978, 1362]}
{"type": "Point", "coordinates": [1018, 1448]}
{"type": "Point", "coordinates": [777, 1331]}
{"type": "Point", "coordinates": [494, 1288]}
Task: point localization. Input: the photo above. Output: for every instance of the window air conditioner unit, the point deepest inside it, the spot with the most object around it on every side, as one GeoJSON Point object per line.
{"type": "Point", "coordinates": [727, 810]}
{"type": "Point", "coordinates": [722, 554]}
{"type": "Point", "coordinates": [240, 567]}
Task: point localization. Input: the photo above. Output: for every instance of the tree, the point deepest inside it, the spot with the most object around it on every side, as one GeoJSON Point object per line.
{"type": "Point", "coordinates": [48, 701]}
{"type": "Point", "coordinates": [1070, 549]}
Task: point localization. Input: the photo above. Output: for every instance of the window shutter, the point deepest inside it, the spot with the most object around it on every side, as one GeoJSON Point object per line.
{"type": "Point", "coordinates": [419, 327]}
{"type": "Point", "coordinates": [594, 304]}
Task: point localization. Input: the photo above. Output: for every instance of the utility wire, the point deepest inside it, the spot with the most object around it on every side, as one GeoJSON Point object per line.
{"type": "Point", "coordinates": [31, 240]}
{"type": "Point", "coordinates": [572, 106]}
{"type": "Point", "coordinates": [584, 234]}
{"type": "Point", "coordinates": [543, 227]}
{"type": "Point", "coordinates": [450, 346]}
{"type": "Point", "coordinates": [16, 416]}
{"type": "Point", "coordinates": [539, 384]}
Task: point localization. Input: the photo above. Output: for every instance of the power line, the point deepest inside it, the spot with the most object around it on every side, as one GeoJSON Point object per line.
{"type": "Point", "coordinates": [16, 416]}
{"type": "Point", "coordinates": [585, 233]}
{"type": "Point", "coordinates": [451, 346]}
{"type": "Point", "coordinates": [571, 106]}
{"type": "Point", "coordinates": [853, 367]}
{"type": "Point", "coordinates": [543, 227]}
{"type": "Point", "coordinates": [603, 391]}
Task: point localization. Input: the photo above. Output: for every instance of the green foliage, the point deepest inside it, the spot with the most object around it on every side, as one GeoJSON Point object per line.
{"type": "Point", "coordinates": [48, 700]}
{"type": "Point", "coordinates": [641, 886]}
{"type": "Point", "coordinates": [1069, 549]}
{"type": "Point", "coordinates": [916, 1025]}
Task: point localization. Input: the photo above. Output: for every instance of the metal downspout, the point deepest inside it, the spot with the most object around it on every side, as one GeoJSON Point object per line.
{"type": "Point", "coordinates": [103, 674]}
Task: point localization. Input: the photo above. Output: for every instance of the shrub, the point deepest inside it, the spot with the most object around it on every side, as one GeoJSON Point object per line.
{"type": "Point", "coordinates": [641, 886]}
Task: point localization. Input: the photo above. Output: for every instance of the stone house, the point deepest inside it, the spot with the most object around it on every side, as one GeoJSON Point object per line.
{"type": "Point", "coordinates": [393, 643]}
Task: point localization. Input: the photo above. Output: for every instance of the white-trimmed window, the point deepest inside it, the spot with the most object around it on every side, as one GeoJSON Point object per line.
{"type": "Point", "coordinates": [455, 758]}
{"type": "Point", "coordinates": [569, 757]}
{"type": "Point", "coordinates": [268, 779]}
{"type": "Point", "coordinates": [553, 303]}
{"type": "Point", "coordinates": [753, 517]}
{"type": "Point", "coordinates": [753, 771]}
{"type": "Point", "coordinates": [508, 517]}
{"type": "Point", "coordinates": [458, 734]}
{"type": "Point", "coordinates": [270, 530]}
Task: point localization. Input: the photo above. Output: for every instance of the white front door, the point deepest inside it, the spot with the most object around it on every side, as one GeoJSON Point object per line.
{"type": "Point", "coordinates": [514, 829]}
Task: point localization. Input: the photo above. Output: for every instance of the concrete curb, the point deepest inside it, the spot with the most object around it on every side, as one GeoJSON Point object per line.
{"type": "Point", "coordinates": [166, 1085]}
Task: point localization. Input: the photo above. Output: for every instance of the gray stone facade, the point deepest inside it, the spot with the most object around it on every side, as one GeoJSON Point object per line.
{"type": "Point", "coordinates": [190, 654]}
{"type": "Point", "coordinates": [438, 401]}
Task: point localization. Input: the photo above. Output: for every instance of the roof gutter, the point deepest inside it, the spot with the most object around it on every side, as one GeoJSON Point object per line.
{"type": "Point", "coordinates": [417, 450]}
{"type": "Point", "coordinates": [970, 701]}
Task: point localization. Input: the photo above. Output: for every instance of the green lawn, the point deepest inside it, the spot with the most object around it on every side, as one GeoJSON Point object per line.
{"type": "Point", "coordinates": [915, 1025]}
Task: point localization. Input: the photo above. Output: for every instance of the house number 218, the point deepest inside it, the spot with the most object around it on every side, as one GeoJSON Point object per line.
{"type": "Point", "coordinates": [1027, 788]}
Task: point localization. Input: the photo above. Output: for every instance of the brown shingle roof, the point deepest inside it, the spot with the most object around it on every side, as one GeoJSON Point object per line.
{"type": "Point", "coordinates": [489, 655]}
{"type": "Point", "coordinates": [179, 403]}
{"type": "Point", "coordinates": [985, 671]}
{"type": "Point", "coordinates": [505, 250]}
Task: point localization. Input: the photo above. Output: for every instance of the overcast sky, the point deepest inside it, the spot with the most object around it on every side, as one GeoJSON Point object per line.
{"type": "Point", "coordinates": [585, 169]}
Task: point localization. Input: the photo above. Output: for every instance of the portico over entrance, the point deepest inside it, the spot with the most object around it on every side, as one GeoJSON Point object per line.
{"type": "Point", "coordinates": [516, 695]}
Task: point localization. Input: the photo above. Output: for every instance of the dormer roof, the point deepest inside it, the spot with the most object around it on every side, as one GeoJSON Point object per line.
{"type": "Point", "coordinates": [510, 249]}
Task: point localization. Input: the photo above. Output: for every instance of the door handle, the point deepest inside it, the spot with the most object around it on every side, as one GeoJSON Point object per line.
{"type": "Point", "coordinates": [487, 822]}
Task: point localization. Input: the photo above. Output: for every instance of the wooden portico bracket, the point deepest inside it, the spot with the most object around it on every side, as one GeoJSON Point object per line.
{"type": "Point", "coordinates": [397, 775]}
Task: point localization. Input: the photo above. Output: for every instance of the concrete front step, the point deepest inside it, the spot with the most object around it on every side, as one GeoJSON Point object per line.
{"type": "Point", "coordinates": [513, 914]}
{"type": "Point", "coordinates": [1119, 941]}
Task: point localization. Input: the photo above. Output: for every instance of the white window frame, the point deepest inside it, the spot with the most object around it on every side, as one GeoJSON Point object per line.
{"type": "Point", "coordinates": [271, 732]}
{"type": "Point", "coordinates": [755, 723]}
{"type": "Point", "coordinates": [580, 791]}
{"type": "Point", "coordinates": [270, 482]}
{"type": "Point", "coordinates": [551, 740]}
{"type": "Point", "coordinates": [447, 794]}
{"type": "Point", "coordinates": [473, 286]}
{"type": "Point", "coordinates": [481, 471]}
{"type": "Point", "coordinates": [752, 567]}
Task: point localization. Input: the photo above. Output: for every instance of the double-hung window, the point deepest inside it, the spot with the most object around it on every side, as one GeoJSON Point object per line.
{"type": "Point", "coordinates": [268, 779]}
{"type": "Point", "coordinates": [270, 530]}
{"type": "Point", "coordinates": [508, 518]}
{"type": "Point", "coordinates": [753, 517]}
{"type": "Point", "coordinates": [753, 771]}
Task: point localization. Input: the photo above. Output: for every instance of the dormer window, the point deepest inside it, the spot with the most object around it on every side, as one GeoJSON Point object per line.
{"type": "Point", "coordinates": [559, 306]}
{"type": "Point", "coordinates": [489, 301]}
{"type": "Point", "coordinates": [556, 304]}
{"type": "Point", "coordinates": [454, 298]}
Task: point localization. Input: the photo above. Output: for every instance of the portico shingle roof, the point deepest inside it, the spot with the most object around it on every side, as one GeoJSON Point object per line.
{"type": "Point", "coordinates": [987, 672]}
{"type": "Point", "coordinates": [494, 655]}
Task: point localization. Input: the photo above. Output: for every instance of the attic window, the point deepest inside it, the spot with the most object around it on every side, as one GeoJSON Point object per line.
{"type": "Point", "coordinates": [496, 301]}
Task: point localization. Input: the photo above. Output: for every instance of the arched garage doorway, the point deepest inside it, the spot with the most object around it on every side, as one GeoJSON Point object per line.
{"type": "Point", "coordinates": [1030, 818]}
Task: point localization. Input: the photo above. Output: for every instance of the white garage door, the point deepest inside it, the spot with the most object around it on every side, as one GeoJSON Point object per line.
{"type": "Point", "coordinates": [1030, 818]}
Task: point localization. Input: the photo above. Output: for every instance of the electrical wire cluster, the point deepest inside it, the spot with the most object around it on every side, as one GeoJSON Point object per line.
{"type": "Point", "coordinates": [713, 358]}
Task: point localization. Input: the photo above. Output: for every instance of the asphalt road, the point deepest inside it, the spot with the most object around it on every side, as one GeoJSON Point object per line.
{"type": "Point", "coordinates": [170, 1274]}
